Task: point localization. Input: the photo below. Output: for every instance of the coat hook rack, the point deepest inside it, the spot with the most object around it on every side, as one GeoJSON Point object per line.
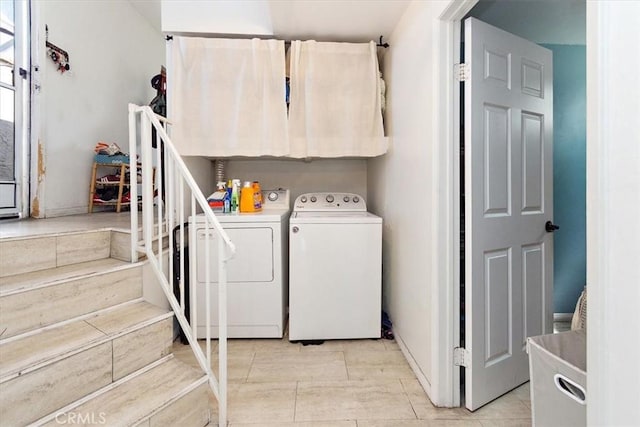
{"type": "Point", "coordinates": [381, 44]}
{"type": "Point", "coordinates": [58, 55]}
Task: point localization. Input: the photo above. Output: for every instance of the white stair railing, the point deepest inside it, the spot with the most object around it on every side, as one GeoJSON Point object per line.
{"type": "Point", "coordinates": [169, 213]}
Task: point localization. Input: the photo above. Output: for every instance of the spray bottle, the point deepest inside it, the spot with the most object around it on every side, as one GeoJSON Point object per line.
{"type": "Point", "coordinates": [235, 195]}
{"type": "Point", "coordinates": [227, 198]}
{"type": "Point", "coordinates": [216, 200]}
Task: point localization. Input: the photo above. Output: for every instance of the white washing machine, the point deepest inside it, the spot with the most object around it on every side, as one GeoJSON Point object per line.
{"type": "Point", "coordinates": [335, 268]}
{"type": "Point", "coordinates": [257, 276]}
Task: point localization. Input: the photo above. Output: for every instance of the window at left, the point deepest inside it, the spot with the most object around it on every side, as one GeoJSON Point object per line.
{"type": "Point", "coordinates": [14, 107]}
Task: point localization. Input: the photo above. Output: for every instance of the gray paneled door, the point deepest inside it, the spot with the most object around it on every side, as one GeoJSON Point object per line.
{"type": "Point", "coordinates": [509, 198]}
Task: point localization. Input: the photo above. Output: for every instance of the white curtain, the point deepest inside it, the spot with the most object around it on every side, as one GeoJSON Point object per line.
{"type": "Point", "coordinates": [335, 100]}
{"type": "Point", "coordinates": [227, 97]}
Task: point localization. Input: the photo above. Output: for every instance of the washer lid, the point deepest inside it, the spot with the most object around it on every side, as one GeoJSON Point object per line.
{"type": "Point", "coordinates": [335, 218]}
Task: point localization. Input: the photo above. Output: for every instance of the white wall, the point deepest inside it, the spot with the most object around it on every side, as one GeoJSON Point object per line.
{"type": "Point", "coordinates": [346, 175]}
{"type": "Point", "coordinates": [114, 52]}
{"type": "Point", "coordinates": [201, 169]}
{"type": "Point", "coordinates": [613, 209]}
{"type": "Point", "coordinates": [402, 185]}
{"type": "Point", "coordinates": [151, 287]}
{"type": "Point", "coordinates": [216, 17]}
{"type": "Point", "coordinates": [344, 20]}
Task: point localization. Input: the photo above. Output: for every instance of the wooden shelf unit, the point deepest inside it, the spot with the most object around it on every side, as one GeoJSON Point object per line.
{"type": "Point", "coordinates": [124, 168]}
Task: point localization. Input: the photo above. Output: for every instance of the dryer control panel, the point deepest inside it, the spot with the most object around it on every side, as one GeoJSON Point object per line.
{"type": "Point", "coordinates": [275, 199]}
{"type": "Point", "coordinates": [334, 202]}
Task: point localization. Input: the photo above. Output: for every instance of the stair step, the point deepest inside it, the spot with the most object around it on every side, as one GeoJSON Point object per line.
{"type": "Point", "coordinates": [35, 279]}
{"type": "Point", "coordinates": [27, 352]}
{"type": "Point", "coordinates": [19, 355]}
{"type": "Point", "coordinates": [23, 400]}
{"type": "Point", "coordinates": [121, 244]}
{"type": "Point", "coordinates": [170, 393]}
{"type": "Point", "coordinates": [79, 357]}
{"type": "Point", "coordinates": [37, 299]}
{"type": "Point", "coordinates": [134, 346]}
{"type": "Point", "coordinates": [25, 254]}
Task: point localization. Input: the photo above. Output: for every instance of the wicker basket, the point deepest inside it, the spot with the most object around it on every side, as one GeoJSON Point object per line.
{"type": "Point", "coordinates": [579, 320]}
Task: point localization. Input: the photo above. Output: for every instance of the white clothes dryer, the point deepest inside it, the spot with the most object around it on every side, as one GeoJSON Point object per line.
{"type": "Point", "coordinates": [257, 288]}
{"type": "Point", "coordinates": [335, 268]}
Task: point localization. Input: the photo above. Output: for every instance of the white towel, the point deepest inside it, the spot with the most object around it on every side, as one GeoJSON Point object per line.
{"type": "Point", "coordinates": [335, 100]}
{"type": "Point", "coordinates": [227, 97]}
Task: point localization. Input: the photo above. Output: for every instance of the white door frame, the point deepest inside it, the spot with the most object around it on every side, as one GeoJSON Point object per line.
{"type": "Point", "coordinates": [446, 320]}
{"type": "Point", "coordinates": [32, 166]}
{"type": "Point", "coordinates": [613, 208]}
{"type": "Point", "coordinates": [21, 118]}
{"type": "Point", "coordinates": [36, 159]}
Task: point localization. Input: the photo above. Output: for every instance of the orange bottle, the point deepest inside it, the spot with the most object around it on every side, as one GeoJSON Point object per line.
{"type": "Point", "coordinates": [246, 198]}
{"type": "Point", "coordinates": [257, 196]}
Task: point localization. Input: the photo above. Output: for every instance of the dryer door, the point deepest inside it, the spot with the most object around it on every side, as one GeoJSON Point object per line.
{"type": "Point", "coordinates": [253, 261]}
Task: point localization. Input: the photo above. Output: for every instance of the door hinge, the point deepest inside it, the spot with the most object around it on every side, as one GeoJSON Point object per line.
{"type": "Point", "coordinates": [461, 72]}
{"type": "Point", "coordinates": [461, 357]}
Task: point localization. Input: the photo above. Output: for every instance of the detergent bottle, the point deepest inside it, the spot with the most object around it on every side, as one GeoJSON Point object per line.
{"type": "Point", "coordinates": [257, 196]}
{"type": "Point", "coordinates": [246, 198]}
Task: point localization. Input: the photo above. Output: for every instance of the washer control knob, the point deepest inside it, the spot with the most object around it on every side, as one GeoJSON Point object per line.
{"type": "Point", "coordinates": [356, 199]}
{"type": "Point", "coordinates": [314, 199]}
{"type": "Point", "coordinates": [346, 199]}
{"type": "Point", "coordinates": [273, 196]}
{"type": "Point", "coordinates": [330, 198]}
{"type": "Point", "coordinates": [295, 229]}
{"type": "Point", "coordinates": [303, 199]}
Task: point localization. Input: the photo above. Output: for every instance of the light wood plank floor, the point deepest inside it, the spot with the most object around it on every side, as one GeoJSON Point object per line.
{"type": "Point", "coordinates": [352, 383]}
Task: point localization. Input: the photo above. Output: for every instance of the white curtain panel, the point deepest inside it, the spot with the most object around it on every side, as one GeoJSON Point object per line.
{"type": "Point", "coordinates": [334, 106]}
{"type": "Point", "coordinates": [227, 97]}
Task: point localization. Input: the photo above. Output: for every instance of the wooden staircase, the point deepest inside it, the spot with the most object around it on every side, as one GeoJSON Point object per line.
{"type": "Point", "coordinates": [79, 345]}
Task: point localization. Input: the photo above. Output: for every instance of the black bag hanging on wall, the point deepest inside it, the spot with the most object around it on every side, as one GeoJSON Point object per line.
{"type": "Point", "coordinates": [177, 260]}
{"type": "Point", "coordinates": [159, 106]}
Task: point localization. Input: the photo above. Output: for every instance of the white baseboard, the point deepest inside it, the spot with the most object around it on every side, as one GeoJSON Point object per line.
{"type": "Point", "coordinates": [562, 317]}
{"type": "Point", "coordinates": [422, 379]}
{"type": "Point", "coordinates": [53, 213]}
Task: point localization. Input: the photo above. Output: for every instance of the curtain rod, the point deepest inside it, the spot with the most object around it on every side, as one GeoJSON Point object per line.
{"type": "Point", "coordinates": [379, 44]}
